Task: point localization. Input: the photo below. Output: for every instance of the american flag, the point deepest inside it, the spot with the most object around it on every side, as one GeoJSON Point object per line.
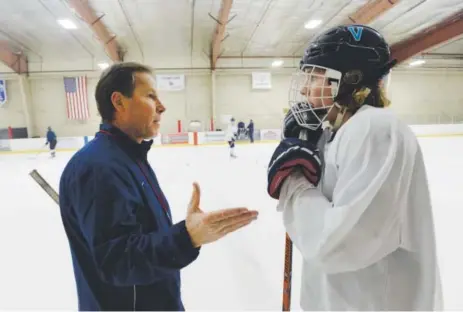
{"type": "Point", "coordinates": [76, 97]}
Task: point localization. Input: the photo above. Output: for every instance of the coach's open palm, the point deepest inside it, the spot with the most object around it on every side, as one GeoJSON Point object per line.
{"type": "Point", "coordinates": [206, 227]}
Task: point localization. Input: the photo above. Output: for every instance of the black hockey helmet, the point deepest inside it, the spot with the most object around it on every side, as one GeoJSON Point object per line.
{"type": "Point", "coordinates": [345, 58]}
{"type": "Point", "coordinates": [358, 52]}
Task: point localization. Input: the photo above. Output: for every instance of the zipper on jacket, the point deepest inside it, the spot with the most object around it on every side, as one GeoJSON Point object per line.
{"type": "Point", "coordinates": [134, 297]}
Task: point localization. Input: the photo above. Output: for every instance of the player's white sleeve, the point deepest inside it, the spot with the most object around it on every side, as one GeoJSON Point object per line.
{"type": "Point", "coordinates": [361, 224]}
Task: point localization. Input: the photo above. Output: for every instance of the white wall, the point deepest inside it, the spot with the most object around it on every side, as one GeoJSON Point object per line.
{"type": "Point", "coordinates": [427, 97]}
{"type": "Point", "coordinates": [419, 97]}
{"type": "Point", "coordinates": [235, 96]}
{"type": "Point", "coordinates": [193, 103]}
{"type": "Point", "coordinates": [49, 108]}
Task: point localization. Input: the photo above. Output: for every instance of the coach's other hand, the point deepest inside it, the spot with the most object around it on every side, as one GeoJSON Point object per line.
{"type": "Point", "coordinates": [207, 227]}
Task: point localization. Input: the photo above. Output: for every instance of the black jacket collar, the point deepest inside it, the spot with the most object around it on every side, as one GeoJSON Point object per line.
{"type": "Point", "coordinates": [133, 148]}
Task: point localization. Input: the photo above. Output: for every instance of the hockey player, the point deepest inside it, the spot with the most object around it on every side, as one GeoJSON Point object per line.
{"type": "Point", "coordinates": [51, 139]}
{"type": "Point", "coordinates": [358, 208]}
{"type": "Point", "coordinates": [231, 135]}
{"type": "Point", "coordinates": [251, 131]}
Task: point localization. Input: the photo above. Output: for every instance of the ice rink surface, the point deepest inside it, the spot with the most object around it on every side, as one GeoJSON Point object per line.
{"type": "Point", "coordinates": [244, 271]}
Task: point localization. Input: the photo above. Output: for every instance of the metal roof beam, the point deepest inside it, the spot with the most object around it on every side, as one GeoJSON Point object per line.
{"type": "Point", "coordinates": [218, 36]}
{"type": "Point", "coordinates": [435, 35]}
{"type": "Point", "coordinates": [370, 11]}
{"type": "Point", "coordinates": [16, 61]}
{"type": "Point", "coordinates": [366, 14]}
{"type": "Point", "coordinates": [86, 12]}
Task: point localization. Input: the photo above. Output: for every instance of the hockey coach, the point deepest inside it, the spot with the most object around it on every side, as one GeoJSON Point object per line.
{"type": "Point", "coordinates": [126, 251]}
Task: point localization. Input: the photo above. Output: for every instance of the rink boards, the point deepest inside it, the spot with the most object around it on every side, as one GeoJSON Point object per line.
{"type": "Point", "coordinates": [34, 145]}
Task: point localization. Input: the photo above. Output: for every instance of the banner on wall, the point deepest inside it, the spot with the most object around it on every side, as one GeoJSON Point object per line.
{"type": "Point", "coordinates": [170, 82]}
{"type": "Point", "coordinates": [270, 134]}
{"type": "Point", "coordinates": [3, 95]}
{"type": "Point", "coordinates": [261, 80]}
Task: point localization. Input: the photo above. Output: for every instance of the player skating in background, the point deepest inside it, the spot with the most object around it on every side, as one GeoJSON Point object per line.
{"type": "Point", "coordinates": [232, 132]}
{"type": "Point", "coordinates": [358, 208]}
{"type": "Point", "coordinates": [51, 139]}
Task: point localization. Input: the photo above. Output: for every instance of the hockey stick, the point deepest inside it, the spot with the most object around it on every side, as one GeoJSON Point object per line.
{"type": "Point", "coordinates": [44, 185]}
{"type": "Point", "coordinates": [288, 269]}
{"type": "Point", "coordinates": [287, 274]}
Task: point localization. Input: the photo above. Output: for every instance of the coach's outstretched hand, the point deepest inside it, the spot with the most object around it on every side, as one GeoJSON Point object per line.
{"type": "Point", "coordinates": [207, 227]}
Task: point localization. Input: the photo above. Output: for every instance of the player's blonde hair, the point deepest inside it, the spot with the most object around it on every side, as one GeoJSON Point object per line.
{"type": "Point", "coordinates": [361, 95]}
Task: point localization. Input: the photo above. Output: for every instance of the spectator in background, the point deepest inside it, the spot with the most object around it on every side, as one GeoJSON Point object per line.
{"type": "Point", "coordinates": [126, 250]}
{"type": "Point", "coordinates": [241, 130]}
{"type": "Point", "coordinates": [241, 125]}
{"type": "Point", "coordinates": [251, 131]}
{"type": "Point", "coordinates": [51, 139]}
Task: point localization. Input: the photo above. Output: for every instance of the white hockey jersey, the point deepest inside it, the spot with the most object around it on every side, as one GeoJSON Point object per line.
{"type": "Point", "coordinates": [232, 129]}
{"type": "Point", "coordinates": [366, 234]}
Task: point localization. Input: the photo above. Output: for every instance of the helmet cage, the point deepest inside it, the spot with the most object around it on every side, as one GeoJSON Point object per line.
{"type": "Point", "coordinates": [328, 81]}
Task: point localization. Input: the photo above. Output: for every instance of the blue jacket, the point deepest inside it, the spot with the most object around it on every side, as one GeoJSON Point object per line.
{"type": "Point", "coordinates": [51, 136]}
{"type": "Point", "coordinates": [126, 252]}
{"type": "Point", "coordinates": [251, 127]}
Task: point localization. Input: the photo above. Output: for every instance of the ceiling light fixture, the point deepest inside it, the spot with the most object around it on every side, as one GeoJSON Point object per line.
{"type": "Point", "coordinates": [417, 63]}
{"type": "Point", "coordinates": [277, 63]}
{"type": "Point", "coordinates": [312, 24]}
{"type": "Point", "coordinates": [67, 24]}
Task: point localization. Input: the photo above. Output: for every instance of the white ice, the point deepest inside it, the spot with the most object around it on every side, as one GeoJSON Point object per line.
{"type": "Point", "coordinates": [241, 272]}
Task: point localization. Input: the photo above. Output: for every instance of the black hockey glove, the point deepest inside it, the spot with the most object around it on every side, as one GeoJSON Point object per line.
{"type": "Point", "coordinates": [293, 154]}
{"type": "Point", "coordinates": [291, 129]}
